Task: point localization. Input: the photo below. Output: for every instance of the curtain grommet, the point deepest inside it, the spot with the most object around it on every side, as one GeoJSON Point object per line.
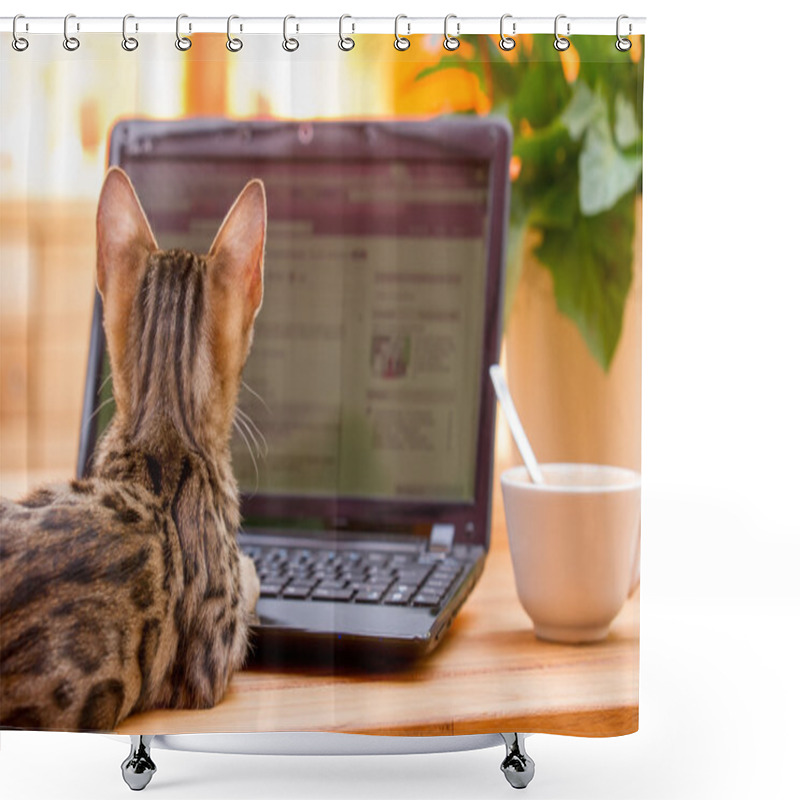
{"type": "Point", "coordinates": [289, 44]}
{"type": "Point", "coordinates": [345, 42]}
{"type": "Point", "coordinates": [183, 43]}
{"type": "Point", "coordinates": [451, 42]}
{"type": "Point", "coordinates": [71, 43]}
{"type": "Point", "coordinates": [234, 43]}
{"type": "Point", "coordinates": [19, 43]}
{"type": "Point", "coordinates": [129, 43]}
{"type": "Point", "coordinates": [561, 44]}
{"type": "Point", "coordinates": [401, 43]}
{"type": "Point", "coordinates": [507, 42]}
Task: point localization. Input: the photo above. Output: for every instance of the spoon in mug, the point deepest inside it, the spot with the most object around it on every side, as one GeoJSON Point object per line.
{"type": "Point", "coordinates": [507, 404]}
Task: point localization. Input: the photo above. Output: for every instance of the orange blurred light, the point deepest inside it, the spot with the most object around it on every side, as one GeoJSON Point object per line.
{"type": "Point", "coordinates": [205, 79]}
{"type": "Point", "coordinates": [439, 93]}
{"type": "Point", "coordinates": [636, 49]}
{"type": "Point", "coordinates": [570, 63]}
{"type": "Point", "coordinates": [89, 126]}
{"type": "Point", "coordinates": [514, 167]}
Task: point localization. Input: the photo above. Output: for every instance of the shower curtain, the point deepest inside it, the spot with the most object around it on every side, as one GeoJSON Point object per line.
{"type": "Point", "coordinates": [401, 260]}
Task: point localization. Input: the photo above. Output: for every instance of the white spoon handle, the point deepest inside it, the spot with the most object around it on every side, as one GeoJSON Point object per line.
{"type": "Point", "coordinates": [507, 404]}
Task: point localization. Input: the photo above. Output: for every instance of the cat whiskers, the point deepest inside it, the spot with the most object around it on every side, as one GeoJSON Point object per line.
{"type": "Point", "coordinates": [261, 448]}
{"type": "Point", "coordinates": [257, 396]}
{"type": "Point", "coordinates": [247, 429]}
{"type": "Point", "coordinates": [101, 407]}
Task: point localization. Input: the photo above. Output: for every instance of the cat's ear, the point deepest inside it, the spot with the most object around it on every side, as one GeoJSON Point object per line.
{"type": "Point", "coordinates": [124, 238]}
{"type": "Point", "coordinates": [238, 249]}
{"type": "Point", "coordinates": [124, 242]}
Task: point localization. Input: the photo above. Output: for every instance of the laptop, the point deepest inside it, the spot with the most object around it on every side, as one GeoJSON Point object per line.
{"type": "Point", "coordinates": [365, 460]}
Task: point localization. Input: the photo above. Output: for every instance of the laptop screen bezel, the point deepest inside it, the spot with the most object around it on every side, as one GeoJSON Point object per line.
{"type": "Point", "coordinates": [481, 139]}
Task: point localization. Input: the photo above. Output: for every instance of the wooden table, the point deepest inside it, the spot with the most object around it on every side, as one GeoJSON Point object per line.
{"type": "Point", "coordinates": [490, 674]}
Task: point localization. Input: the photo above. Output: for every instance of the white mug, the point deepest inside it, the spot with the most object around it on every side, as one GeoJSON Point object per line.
{"type": "Point", "coordinates": [574, 545]}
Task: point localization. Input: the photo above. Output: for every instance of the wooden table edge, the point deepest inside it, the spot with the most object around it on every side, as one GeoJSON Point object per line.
{"type": "Point", "coordinates": [589, 723]}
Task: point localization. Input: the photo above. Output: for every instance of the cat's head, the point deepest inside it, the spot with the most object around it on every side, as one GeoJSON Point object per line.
{"type": "Point", "coordinates": [178, 325]}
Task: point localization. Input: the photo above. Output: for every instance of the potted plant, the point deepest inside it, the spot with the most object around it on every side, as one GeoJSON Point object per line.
{"type": "Point", "coordinates": [572, 303]}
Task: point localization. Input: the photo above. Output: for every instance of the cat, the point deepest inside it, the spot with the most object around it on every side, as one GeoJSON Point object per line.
{"type": "Point", "coordinates": [126, 590]}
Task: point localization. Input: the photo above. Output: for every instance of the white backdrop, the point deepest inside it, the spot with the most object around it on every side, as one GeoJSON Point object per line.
{"type": "Point", "coordinates": [721, 530]}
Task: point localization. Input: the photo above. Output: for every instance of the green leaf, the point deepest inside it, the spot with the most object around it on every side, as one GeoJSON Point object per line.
{"type": "Point", "coordinates": [502, 76]}
{"type": "Point", "coordinates": [546, 190]}
{"type": "Point", "coordinates": [584, 107]}
{"type": "Point", "coordinates": [554, 206]}
{"type": "Point", "coordinates": [626, 127]}
{"type": "Point", "coordinates": [600, 60]}
{"type": "Point", "coordinates": [547, 148]}
{"type": "Point", "coordinates": [542, 95]}
{"type": "Point", "coordinates": [604, 173]}
{"type": "Point", "coordinates": [580, 163]}
{"type": "Point", "coordinates": [592, 273]}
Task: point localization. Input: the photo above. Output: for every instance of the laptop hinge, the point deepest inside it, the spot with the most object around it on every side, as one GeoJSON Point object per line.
{"type": "Point", "coordinates": [441, 540]}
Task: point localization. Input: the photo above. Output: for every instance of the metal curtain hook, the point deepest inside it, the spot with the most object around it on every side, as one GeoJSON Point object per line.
{"type": "Point", "coordinates": [19, 43]}
{"type": "Point", "coordinates": [129, 43]}
{"type": "Point", "coordinates": [345, 43]}
{"type": "Point", "coordinates": [506, 42]}
{"type": "Point", "coordinates": [289, 44]}
{"type": "Point", "coordinates": [400, 42]}
{"type": "Point", "coordinates": [71, 43]}
{"type": "Point", "coordinates": [623, 45]}
{"type": "Point", "coordinates": [561, 43]}
{"type": "Point", "coordinates": [183, 43]}
{"type": "Point", "coordinates": [233, 44]}
{"type": "Point", "coordinates": [451, 42]}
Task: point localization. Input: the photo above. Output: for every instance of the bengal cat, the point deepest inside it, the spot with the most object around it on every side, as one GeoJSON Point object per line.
{"type": "Point", "coordinates": [126, 591]}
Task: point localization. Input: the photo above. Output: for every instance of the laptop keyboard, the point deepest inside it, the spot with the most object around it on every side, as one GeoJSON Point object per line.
{"type": "Point", "coordinates": [345, 576]}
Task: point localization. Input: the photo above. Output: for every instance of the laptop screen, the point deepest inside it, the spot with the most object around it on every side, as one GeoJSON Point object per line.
{"type": "Point", "coordinates": [366, 392]}
{"type": "Point", "coordinates": [364, 374]}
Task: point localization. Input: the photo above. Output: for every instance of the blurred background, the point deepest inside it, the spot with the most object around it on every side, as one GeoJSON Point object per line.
{"type": "Point", "coordinates": [577, 129]}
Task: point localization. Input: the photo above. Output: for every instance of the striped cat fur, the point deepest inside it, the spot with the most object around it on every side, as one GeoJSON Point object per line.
{"type": "Point", "coordinates": [126, 591]}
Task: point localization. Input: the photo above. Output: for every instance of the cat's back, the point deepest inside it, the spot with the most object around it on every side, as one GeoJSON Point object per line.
{"type": "Point", "coordinates": [82, 580]}
{"type": "Point", "coordinates": [81, 532]}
